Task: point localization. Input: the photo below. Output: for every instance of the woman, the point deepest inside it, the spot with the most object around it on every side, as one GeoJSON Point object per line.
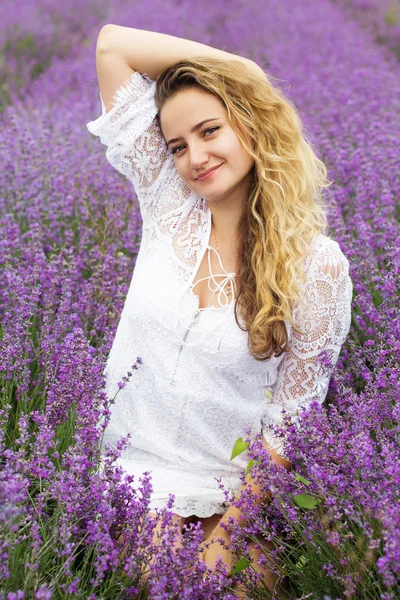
{"type": "Point", "coordinates": [237, 292]}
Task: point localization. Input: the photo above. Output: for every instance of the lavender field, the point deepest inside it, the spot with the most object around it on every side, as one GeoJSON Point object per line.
{"type": "Point", "coordinates": [70, 232]}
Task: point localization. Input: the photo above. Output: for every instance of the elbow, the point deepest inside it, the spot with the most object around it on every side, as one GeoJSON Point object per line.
{"type": "Point", "coordinates": [103, 39]}
{"type": "Point", "coordinates": [257, 70]}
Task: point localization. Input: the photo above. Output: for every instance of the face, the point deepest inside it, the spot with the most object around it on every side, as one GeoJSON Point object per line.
{"type": "Point", "coordinates": [214, 143]}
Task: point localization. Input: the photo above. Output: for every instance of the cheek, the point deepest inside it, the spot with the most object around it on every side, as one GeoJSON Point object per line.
{"type": "Point", "coordinates": [235, 148]}
{"type": "Point", "coordinates": [241, 155]}
{"type": "Point", "coordinates": [240, 158]}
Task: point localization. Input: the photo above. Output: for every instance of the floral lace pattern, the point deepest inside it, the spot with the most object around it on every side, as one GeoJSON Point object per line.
{"type": "Point", "coordinates": [198, 387]}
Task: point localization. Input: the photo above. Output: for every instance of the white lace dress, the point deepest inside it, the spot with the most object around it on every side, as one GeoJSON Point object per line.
{"type": "Point", "coordinates": [198, 387]}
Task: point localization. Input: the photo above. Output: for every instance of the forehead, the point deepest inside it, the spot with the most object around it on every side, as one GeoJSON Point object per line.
{"type": "Point", "coordinates": [187, 108]}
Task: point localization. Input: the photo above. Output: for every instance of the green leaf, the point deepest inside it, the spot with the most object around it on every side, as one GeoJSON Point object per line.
{"type": "Point", "coordinates": [306, 501]}
{"type": "Point", "coordinates": [249, 465]}
{"type": "Point", "coordinates": [241, 564]}
{"type": "Point", "coordinates": [239, 447]}
{"type": "Point", "coordinates": [303, 560]}
{"type": "Point", "coordinates": [302, 479]}
{"type": "Point", "coordinates": [268, 392]}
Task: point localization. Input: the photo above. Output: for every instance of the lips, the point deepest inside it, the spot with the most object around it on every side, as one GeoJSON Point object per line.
{"type": "Point", "coordinates": [207, 172]}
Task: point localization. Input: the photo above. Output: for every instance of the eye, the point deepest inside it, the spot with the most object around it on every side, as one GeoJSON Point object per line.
{"type": "Point", "coordinates": [175, 149]}
{"type": "Point", "coordinates": [212, 129]}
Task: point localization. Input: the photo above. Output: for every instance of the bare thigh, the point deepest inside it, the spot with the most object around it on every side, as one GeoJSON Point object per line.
{"type": "Point", "coordinates": [176, 518]}
{"type": "Point", "coordinates": [208, 524]}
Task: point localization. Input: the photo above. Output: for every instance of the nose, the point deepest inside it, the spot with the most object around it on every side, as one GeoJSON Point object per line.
{"type": "Point", "coordinates": [198, 157]}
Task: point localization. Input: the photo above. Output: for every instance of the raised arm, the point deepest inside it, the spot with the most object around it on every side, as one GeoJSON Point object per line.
{"type": "Point", "coordinates": [126, 49]}
{"type": "Point", "coordinates": [128, 61]}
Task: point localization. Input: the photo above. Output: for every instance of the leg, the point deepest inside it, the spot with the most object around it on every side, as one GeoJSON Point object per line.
{"type": "Point", "coordinates": [271, 580]}
{"type": "Point", "coordinates": [211, 533]}
{"type": "Point", "coordinates": [208, 524]}
{"type": "Point", "coordinates": [156, 532]}
{"type": "Point", "coordinates": [176, 519]}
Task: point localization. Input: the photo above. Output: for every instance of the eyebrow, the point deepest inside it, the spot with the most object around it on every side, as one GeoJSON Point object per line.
{"type": "Point", "coordinates": [195, 128]}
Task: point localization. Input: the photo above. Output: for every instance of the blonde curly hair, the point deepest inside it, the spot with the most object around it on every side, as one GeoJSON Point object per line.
{"type": "Point", "coordinates": [285, 210]}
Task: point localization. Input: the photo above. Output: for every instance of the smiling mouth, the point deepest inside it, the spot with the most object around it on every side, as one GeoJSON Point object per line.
{"type": "Point", "coordinates": [207, 175]}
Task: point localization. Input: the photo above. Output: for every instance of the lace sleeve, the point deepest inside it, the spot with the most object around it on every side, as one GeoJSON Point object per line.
{"type": "Point", "coordinates": [303, 374]}
{"type": "Point", "coordinates": [135, 144]}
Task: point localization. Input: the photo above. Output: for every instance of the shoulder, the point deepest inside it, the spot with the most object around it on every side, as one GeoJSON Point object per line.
{"type": "Point", "coordinates": [323, 311]}
{"type": "Point", "coordinates": [327, 281]}
{"type": "Point", "coordinates": [325, 256]}
{"type": "Point", "coordinates": [324, 245]}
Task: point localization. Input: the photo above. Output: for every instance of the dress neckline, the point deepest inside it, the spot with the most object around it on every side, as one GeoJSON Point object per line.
{"type": "Point", "coordinates": [196, 298]}
{"type": "Point", "coordinates": [188, 288]}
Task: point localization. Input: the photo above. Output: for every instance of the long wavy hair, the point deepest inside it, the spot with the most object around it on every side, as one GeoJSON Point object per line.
{"type": "Point", "coordinates": [285, 210]}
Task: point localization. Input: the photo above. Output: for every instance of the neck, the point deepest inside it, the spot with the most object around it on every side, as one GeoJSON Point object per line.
{"type": "Point", "coordinates": [227, 212]}
{"type": "Point", "coordinates": [224, 229]}
{"type": "Point", "coordinates": [225, 221]}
